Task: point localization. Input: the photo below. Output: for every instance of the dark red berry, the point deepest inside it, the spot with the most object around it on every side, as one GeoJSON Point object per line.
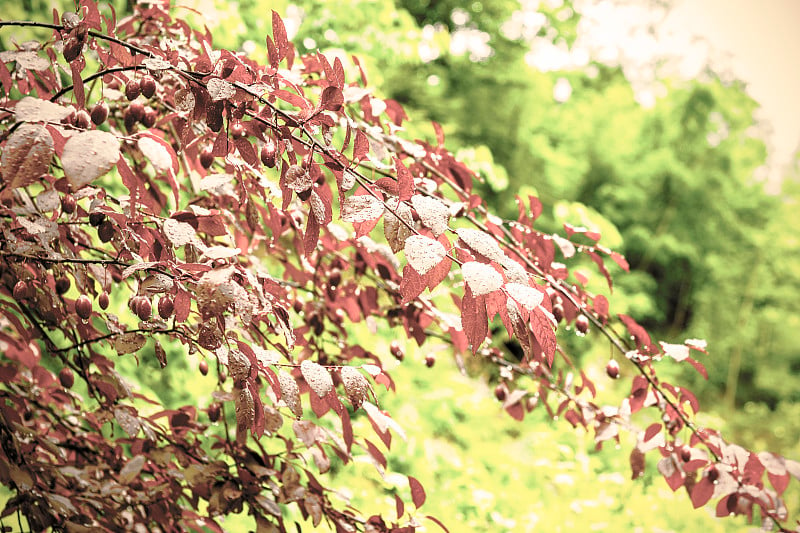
{"type": "Point", "coordinates": [213, 412]}
{"type": "Point", "coordinates": [713, 474]}
{"type": "Point", "coordinates": [558, 312]}
{"type": "Point", "coordinates": [62, 284]}
{"type": "Point", "coordinates": [96, 218]}
{"type": "Point", "coordinates": [21, 290]}
{"type": "Point", "coordinates": [500, 392]}
{"type": "Point", "coordinates": [582, 324]}
{"type": "Point", "coordinates": [612, 369]}
{"type": "Point", "coordinates": [82, 119]}
{"type": "Point", "coordinates": [397, 350]}
{"type": "Point", "coordinates": [144, 309]}
{"type": "Point", "coordinates": [430, 360]}
{"type": "Point", "coordinates": [72, 49]}
{"type": "Point", "coordinates": [136, 111]}
{"type": "Point", "coordinates": [237, 130]}
{"type": "Point", "coordinates": [165, 307]}
{"type": "Point", "coordinates": [105, 231]}
{"type": "Point", "coordinates": [103, 301]}
{"type": "Point", "coordinates": [133, 90]}
{"type": "Point", "coordinates": [207, 157]}
{"type": "Point", "coordinates": [99, 113]}
{"type": "Point", "coordinates": [148, 86]}
{"type": "Point", "coordinates": [149, 118]}
{"type": "Point", "coordinates": [686, 454]}
{"type": "Point", "coordinates": [68, 204]}
{"type": "Point", "coordinates": [204, 367]}
{"type": "Point", "coordinates": [66, 378]}
{"type": "Point", "coordinates": [268, 154]}
{"type": "Point", "coordinates": [83, 306]}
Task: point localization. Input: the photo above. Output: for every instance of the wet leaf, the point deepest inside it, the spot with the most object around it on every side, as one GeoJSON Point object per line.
{"type": "Point", "coordinates": [31, 109]}
{"type": "Point", "coordinates": [89, 155]}
{"type": "Point", "coordinates": [526, 295]}
{"type": "Point", "coordinates": [318, 379]}
{"type": "Point", "coordinates": [361, 208]}
{"type": "Point", "coordinates": [27, 155]}
{"type": "Point", "coordinates": [481, 278]}
{"type": "Point", "coordinates": [129, 343]}
{"type": "Point", "coordinates": [178, 233]}
{"type": "Point", "coordinates": [424, 253]}
{"type": "Point", "coordinates": [220, 89]}
{"type": "Point", "coordinates": [481, 242]}
{"type": "Point", "coordinates": [290, 393]}
{"type": "Point", "coordinates": [356, 385]}
{"type": "Point", "coordinates": [432, 212]}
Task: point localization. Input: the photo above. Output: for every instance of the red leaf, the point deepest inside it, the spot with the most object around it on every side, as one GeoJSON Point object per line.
{"type": "Point", "coordinates": [417, 492]}
{"type": "Point", "coordinates": [474, 319]}
{"type": "Point", "coordinates": [361, 146]}
{"type": "Point", "coordinates": [439, 133]}
{"type": "Point", "coordinates": [182, 303]}
{"type": "Point", "coordinates": [279, 33]}
{"type": "Point", "coordinates": [639, 334]}
{"type": "Point", "coordinates": [437, 522]}
{"type": "Point", "coordinates": [399, 506]}
{"type": "Point", "coordinates": [618, 259]}
{"type": "Point", "coordinates": [651, 431]}
{"type": "Point", "coordinates": [405, 183]}
{"type": "Point", "coordinates": [332, 98]}
{"type": "Point", "coordinates": [412, 284]}
{"type": "Point", "coordinates": [376, 453]}
{"type": "Point", "coordinates": [601, 307]}
{"type": "Point", "coordinates": [545, 336]}
{"type": "Point", "coordinates": [603, 270]}
{"type": "Point", "coordinates": [338, 73]}
{"type": "Point", "coordinates": [780, 482]}
{"type": "Point", "coordinates": [702, 492]}
{"type": "Point", "coordinates": [77, 83]}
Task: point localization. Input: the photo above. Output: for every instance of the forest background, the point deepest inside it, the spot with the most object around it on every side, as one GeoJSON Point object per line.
{"type": "Point", "coordinates": [669, 184]}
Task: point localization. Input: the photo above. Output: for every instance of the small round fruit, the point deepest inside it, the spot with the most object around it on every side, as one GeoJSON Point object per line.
{"type": "Point", "coordinates": [144, 309]}
{"type": "Point", "coordinates": [207, 157]}
{"type": "Point", "coordinates": [62, 284]}
{"type": "Point", "coordinates": [713, 474]}
{"type": "Point", "coordinates": [165, 307]}
{"type": "Point", "coordinates": [83, 306]}
{"type": "Point", "coordinates": [397, 350]}
{"type": "Point", "coordinates": [96, 218]}
{"type": "Point", "coordinates": [21, 290]}
{"type": "Point", "coordinates": [99, 113]}
{"type": "Point", "coordinates": [82, 119]}
{"type": "Point", "coordinates": [612, 369]}
{"type": "Point", "coordinates": [430, 360]}
{"type": "Point", "coordinates": [133, 90]}
{"type": "Point", "coordinates": [686, 454]}
{"type": "Point", "coordinates": [72, 49]}
{"type": "Point", "coordinates": [148, 86]}
{"type": "Point", "coordinates": [268, 154]}
{"type": "Point", "coordinates": [103, 300]}
{"type": "Point", "coordinates": [105, 231]}
{"type": "Point", "coordinates": [69, 118]}
{"type": "Point", "coordinates": [130, 121]}
{"type": "Point", "coordinates": [558, 312]}
{"type": "Point", "coordinates": [213, 412]}
{"type": "Point", "coordinates": [68, 204]}
{"type": "Point", "coordinates": [204, 367]}
{"type": "Point", "coordinates": [149, 118]}
{"type": "Point", "coordinates": [136, 111]}
{"type": "Point", "coordinates": [66, 378]}
{"type": "Point", "coordinates": [335, 277]}
{"type": "Point", "coordinates": [500, 392]}
{"type": "Point", "coordinates": [237, 130]}
{"type": "Point", "coordinates": [582, 324]}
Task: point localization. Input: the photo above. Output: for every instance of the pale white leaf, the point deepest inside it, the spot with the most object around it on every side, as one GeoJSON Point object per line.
{"type": "Point", "coordinates": [357, 209]}
{"type": "Point", "coordinates": [395, 231]}
{"type": "Point", "coordinates": [481, 278]}
{"type": "Point", "coordinates": [31, 109]}
{"type": "Point", "coordinates": [526, 295]}
{"type": "Point", "coordinates": [432, 212]}
{"type": "Point", "coordinates": [679, 352]}
{"type": "Point", "coordinates": [318, 379]}
{"type": "Point", "coordinates": [220, 252]}
{"type": "Point", "coordinates": [424, 253]}
{"type": "Point", "coordinates": [481, 242]}
{"type": "Point", "coordinates": [89, 155]}
{"type": "Point", "coordinates": [156, 153]}
{"type": "Point", "coordinates": [178, 233]}
{"type": "Point", "coordinates": [220, 89]}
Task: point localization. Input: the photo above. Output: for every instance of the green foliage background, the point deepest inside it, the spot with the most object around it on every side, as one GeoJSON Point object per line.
{"type": "Point", "coordinates": [712, 255]}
